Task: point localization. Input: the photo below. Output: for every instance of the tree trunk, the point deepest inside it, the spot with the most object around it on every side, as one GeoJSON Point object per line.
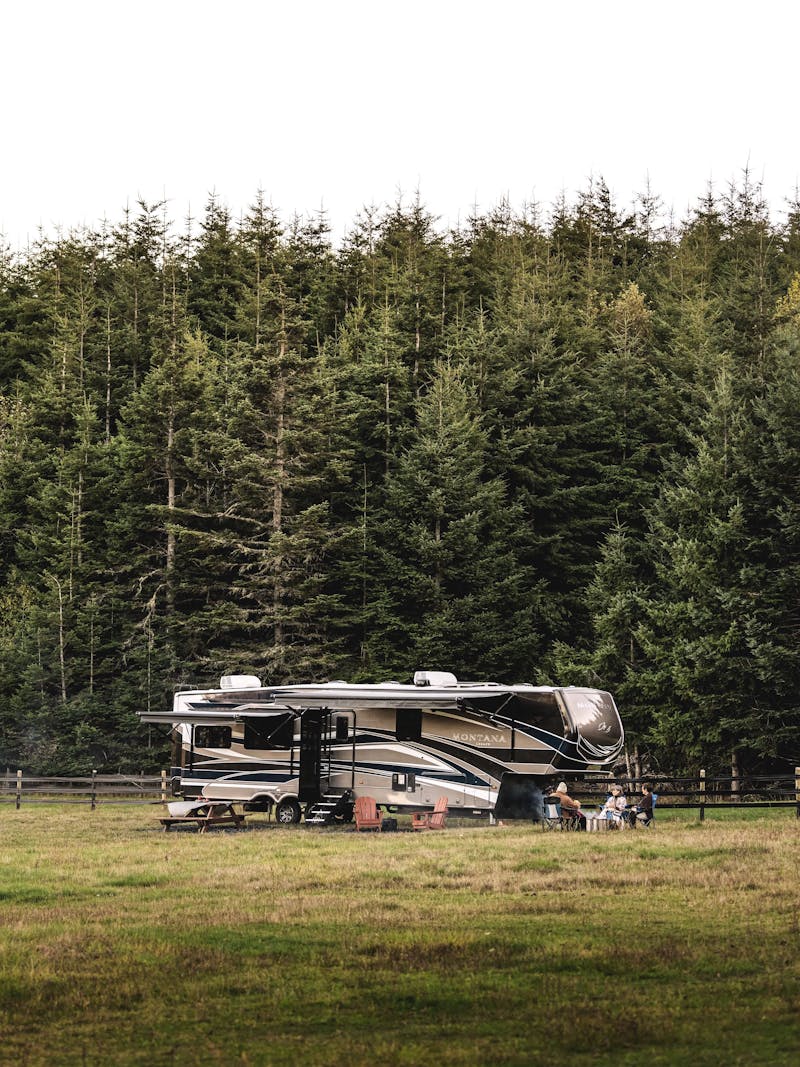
{"type": "Point", "coordinates": [61, 637]}
{"type": "Point", "coordinates": [277, 503]}
{"type": "Point", "coordinates": [108, 374]}
{"type": "Point", "coordinates": [364, 569]}
{"type": "Point", "coordinates": [91, 647]}
{"type": "Point", "coordinates": [280, 454]}
{"type": "Point", "coordinates": [169, 468]}
{"type": "Point", "coordinates": [135, 365]}
{"type": "Point", "coordinates": [437, 536]}
{"type": "Point", "coordinates": [736, 785]}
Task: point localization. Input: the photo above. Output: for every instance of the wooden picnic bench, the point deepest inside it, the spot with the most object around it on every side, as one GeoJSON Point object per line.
{"type": "Point", "coordinates": [203, 815]}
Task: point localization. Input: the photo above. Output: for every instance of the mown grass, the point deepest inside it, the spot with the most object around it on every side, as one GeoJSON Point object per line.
{"type": "Point", "coordinates": [123, 945]}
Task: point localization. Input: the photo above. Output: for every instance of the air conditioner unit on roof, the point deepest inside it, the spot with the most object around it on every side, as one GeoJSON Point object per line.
{"type": "Point", "coordinates": [435, 678]}
{"type": "Point", "coordinates": [239, 681]}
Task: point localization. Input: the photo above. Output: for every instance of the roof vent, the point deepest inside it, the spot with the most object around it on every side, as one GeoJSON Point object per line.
{"type": "Point", "coordinates": [435, 678]}
{"type": "Point", "coordinates": [239, 681]}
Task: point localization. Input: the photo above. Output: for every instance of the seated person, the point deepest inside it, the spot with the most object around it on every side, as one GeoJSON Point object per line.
{"type": "Point", "coordinates": [643, 809]}
{"type": "Point", "coordinates": [614, 807]}
{"type": "Point", "coordinates": [570, 808]}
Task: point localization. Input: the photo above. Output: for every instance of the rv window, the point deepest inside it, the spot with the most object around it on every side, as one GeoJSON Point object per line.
{"type": "Point", "coordinates": [537, 709]}
{"type": "Point", "coordinates": [409, 724]}
{"type": "Point", "coordinates": [212, 736]}
{"type": "Point", "coordinates": [595, 715]}
{"type": "Point", "coordinates": [342, 727]}
{"type": "Point", "coordinates": [269, 732]}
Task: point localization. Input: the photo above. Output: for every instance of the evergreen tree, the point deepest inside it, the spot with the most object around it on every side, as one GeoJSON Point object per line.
{"type": "Point", "coordinates": [702, 676]}
{"type": "Point", "coordinates": [619, 597]}
{"type": "Point", "coordinates": [770, 726]}
{"type": "Point", "coordinates": [215, 277]}
{"type": "Point", "coordinates": [533, 448]}
{"type": "Point", "coordinates": [167, 454]}
{"type": "Point", "coordinates": [452, 591]}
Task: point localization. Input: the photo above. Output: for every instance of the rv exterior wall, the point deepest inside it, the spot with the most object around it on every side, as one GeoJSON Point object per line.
{"type": "Point", "coordinates": [459, 741]}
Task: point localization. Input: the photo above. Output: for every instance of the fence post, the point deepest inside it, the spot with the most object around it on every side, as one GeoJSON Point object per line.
{"type": "Point", "coordinates": [94, 790]}
{"type": "Point", "coordinates": [19, 789]}
{"type": "Point", "coordinates": [797, 790]}
{"type": "Point", "coordinates": [163, 786]}
{"type": "Point", "coordinates": [702, 795]}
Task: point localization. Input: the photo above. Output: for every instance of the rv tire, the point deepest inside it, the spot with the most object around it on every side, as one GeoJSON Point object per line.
{"type": "Point", "coordinates": [287, 812]}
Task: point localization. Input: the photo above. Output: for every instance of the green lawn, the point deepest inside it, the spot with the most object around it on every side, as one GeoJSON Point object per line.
{"type": "Point", "coordinates": [120, 944]}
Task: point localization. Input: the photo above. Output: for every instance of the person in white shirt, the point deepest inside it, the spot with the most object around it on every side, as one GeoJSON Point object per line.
{"type": "Point", "coordinates": [614, 807]}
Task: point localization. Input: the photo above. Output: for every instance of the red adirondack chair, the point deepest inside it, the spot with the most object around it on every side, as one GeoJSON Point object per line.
{"type": "Point", "coordinates": [367, 814]}
{"type": "Point", "coordinates": [431, 820]}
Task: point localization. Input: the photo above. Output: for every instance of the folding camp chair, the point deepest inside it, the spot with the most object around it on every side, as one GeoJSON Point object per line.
{"type": "Point", "coordinates": [552, 818]}
{"type": "Point", "coordinates": [571, 818]}
{"type": "Point", "coordinates": [643, 819]}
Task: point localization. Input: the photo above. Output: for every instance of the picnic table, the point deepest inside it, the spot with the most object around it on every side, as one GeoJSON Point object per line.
{"type": "Point", "coordinates": [203, 814]}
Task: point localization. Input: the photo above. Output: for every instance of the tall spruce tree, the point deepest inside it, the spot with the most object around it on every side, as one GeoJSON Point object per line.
{"type": "Point", "coordinates": [452, 590]}
{"type": "Point", "coordinates": [703, 676]}
{"type": "Point", "coordinates": [770, 727]}
{"type": "Point", "coordinates": [166, 454]}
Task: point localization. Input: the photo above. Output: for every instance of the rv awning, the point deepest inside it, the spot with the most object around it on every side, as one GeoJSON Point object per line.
{"type": "Point", "coordinates": [225, 714]}
{"type": "Point", "coordinates": [333, 697]}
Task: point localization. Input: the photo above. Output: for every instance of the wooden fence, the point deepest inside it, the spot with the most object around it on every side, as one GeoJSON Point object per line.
{"type": "Point", "coordinates": [701, 793]}
{"type": "Point", "coordinates": [16, 788]}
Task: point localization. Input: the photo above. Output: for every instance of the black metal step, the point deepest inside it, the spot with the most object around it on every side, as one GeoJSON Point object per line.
{"type": "Point", "coordinates": [334, 807]}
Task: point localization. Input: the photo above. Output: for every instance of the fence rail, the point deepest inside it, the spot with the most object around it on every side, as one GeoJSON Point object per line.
{"type": "Point", "coordinates": [16, 788]}
{"type": "Point", "coordinates": [701, 793]}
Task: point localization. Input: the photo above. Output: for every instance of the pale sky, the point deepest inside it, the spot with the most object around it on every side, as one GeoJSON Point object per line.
{"type": "Point", "coordinates": [345, 103]}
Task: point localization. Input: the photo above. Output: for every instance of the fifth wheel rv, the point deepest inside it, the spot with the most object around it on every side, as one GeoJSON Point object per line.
{"type": "Point", "coordinates": [484, 746]}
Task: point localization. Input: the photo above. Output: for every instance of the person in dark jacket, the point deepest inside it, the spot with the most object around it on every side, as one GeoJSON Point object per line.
{"type": "Point", "coordinates": [643, 809]}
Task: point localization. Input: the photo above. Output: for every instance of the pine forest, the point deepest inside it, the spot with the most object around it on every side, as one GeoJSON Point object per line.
{"type": "Point", "coordinates": [555, 444]}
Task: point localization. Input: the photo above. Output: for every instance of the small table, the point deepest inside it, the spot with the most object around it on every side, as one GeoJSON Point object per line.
{"type": "Point", "coordinates": [203, 814]}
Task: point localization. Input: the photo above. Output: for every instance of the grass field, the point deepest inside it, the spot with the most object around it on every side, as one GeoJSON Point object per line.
{"type": "Point", "coordinates": [120, 944]}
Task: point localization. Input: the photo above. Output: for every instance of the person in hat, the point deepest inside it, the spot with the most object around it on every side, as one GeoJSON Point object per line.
{"type": "Point", "coordinates": [570, 808]}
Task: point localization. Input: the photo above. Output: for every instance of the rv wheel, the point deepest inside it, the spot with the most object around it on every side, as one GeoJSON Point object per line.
{"type": "Point", "coordinates": [287, 812]}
